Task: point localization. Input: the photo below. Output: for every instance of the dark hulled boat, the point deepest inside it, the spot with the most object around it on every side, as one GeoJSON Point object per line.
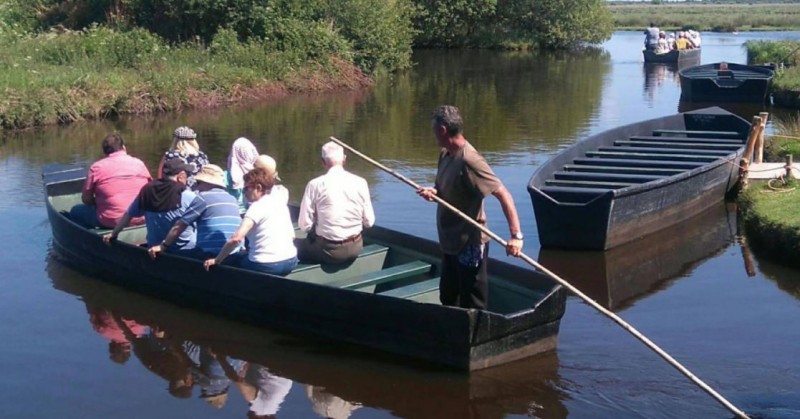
{"type": "Point", "coordinates": [387, 299]}
{"type": "Point", "coordinates": [674, 56]}
{"type": "Point", "coordinates": [634, 180]}
{"type": "Point", "coordinates": [724, 82]}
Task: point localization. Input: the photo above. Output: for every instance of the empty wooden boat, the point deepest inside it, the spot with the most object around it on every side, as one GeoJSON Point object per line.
{"type": "Point", "coordinates": [631, 181]}
{"type": "Point", "coordinates": [726, 82]}
{"type": "Point", "coordinates": [387, 299]}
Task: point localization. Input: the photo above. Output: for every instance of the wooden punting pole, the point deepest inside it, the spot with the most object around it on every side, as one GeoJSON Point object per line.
{"type": "Point", "coordinates": [625, 325]}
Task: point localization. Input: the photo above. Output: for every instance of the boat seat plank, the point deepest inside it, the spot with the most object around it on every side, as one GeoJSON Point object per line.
{"type": "Point", "coordinates": [588, 184]}
{"type": "Point", "coordinates": [383, 276]}
{"type": "Point", "coordinates": [682, 145]}
{"type": "Point", "coordinates": [622, 170]}
{"type": "Point", "coordinates": [648, 156]}
{"type": "Point", "coordinates": [367, 250]}
{"type": "Point", "coordinates": [413, 290]}
{"type": "Point", "coordinates": [729, 134]}
{"type": "Point", "coordinates": [655, 164]}
{"type": "Point", "coordinates": [573, 195]}
{"type": "Point", "coordinates": [691, 140]}
{"type": "Point", "coordinates": [371, 259]}
{"type": "Point", "coordinates": [606, 177]}
{"type": "Point", "coordinates": [653, 150]}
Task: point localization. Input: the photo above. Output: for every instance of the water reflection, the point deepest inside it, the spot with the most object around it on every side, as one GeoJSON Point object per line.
{"type": "Point", "coordinates": [617, 278]}
{"type": "Point", "coordinates": [656, 75]}
{"type": "Point", "coordinates": [216, 357]}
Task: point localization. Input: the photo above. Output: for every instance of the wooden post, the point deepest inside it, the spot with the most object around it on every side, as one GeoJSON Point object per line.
{"type": "Point", "coordinates": [759, 157]}
{"type": "Point", "coordinates": [788, 167]}
{"type": "Point", "coordinates": [744, 165]}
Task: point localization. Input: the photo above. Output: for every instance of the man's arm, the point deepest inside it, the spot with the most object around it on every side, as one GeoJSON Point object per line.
{"type": "Point", "coordinates": [122, 223]}
{"type": "Point", "coordinates": [87, 194]}
{"type": "Point", "coordinates": [173, 234]}
{"type": "Point", "coordinates": [513, 246]}
{"type": "Point", "coordinates": [305, 220]}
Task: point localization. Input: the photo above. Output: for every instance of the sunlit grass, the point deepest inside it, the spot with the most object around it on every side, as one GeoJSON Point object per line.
{"type": "Point", "coordinates": [726, 17]}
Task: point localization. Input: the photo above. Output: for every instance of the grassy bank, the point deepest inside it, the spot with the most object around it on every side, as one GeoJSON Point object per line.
{"type": "Point", "coordinates": [63, 77]}
{"type": "Point", "coordinates": [772, 222]}
{"type": "Point", "coordinates": [786, 84]}
{"type": "Point", "coordinates": [728, 17]}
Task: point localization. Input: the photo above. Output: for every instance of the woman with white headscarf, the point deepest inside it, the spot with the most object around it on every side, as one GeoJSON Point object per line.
{"type": "Point", "coordinates": [240, 161]}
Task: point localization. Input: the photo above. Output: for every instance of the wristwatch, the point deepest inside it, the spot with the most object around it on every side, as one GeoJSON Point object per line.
{"type": "Point", "coordinates": [517, 235]}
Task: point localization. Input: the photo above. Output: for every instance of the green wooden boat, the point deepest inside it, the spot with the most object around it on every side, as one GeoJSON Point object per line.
{"type": "Point", "coordinates": [387, 299]}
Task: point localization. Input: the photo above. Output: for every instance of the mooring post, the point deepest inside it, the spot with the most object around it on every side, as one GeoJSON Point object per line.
{"type": "Point", "coordinates": [789, 167]}
{"type": "Point", "coordinates": [759, 157]}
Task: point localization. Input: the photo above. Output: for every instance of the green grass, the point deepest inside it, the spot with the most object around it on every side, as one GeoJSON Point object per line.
{"type": "Point", "coordinates": [772, 221]}
{"type": "Point", "coordinates": [60, 78]}
{"type": "Point", "coordinates": [726, 17]}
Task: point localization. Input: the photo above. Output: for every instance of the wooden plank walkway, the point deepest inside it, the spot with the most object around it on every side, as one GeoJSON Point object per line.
{"type": "Point", "coordinates": [766, 171]}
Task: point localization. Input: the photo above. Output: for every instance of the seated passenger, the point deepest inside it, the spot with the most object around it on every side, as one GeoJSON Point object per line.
{"type": "Point", "coordinates": [184, 146]}
{"type": "Point", "coordinates": [663, 45]}
{"type": "Point", "coordinates": [694, 38]}
{"type": "Point", "coordinates": [335, 208]}
{"type": "Point", "coordinates": [162, 202]}
{"type": "Point", "coordinates": [682, 42]}
{"type": "Point", "coordinates": [213, 212]}
{"type": "Point", "coordinates": [240, 161]}
{"type": "Point", "coordinates": [267, 225]}
{"type": "Point", "coordinates": [110, 186]}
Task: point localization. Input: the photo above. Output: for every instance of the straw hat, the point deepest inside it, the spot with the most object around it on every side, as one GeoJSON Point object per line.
{"type": "Point", "coordinates": [185, 133]}
{"type": "Point", "coordinates": [211, 174]}
{"type": "Point", "coordinates": [267, 163]}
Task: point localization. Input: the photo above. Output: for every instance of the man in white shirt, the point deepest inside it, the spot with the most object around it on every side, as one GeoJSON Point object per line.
{"type": "Point", "coordinates": [335, 208]}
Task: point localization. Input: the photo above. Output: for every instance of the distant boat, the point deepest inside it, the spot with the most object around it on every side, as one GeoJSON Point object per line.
{"type": "Point", "coordinates": [625, 183]}
{"type": "Point", "coordinates": [386, 300]}
{"type": "Point", "coordinates": [726, 82]}
{"type": "Point", "coordinates": [674, 56]}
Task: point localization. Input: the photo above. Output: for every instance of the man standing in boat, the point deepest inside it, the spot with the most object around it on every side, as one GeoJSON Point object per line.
{"type": "Point", "coordinates": [651, 37]}
{"type": "Point", "coordinates": [335, 208]}
{"type": "Point", "coordinates": [463, 179]}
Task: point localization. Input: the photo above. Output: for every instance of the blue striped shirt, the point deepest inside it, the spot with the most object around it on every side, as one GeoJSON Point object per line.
{"type": "Point", "coordinates": [215, 214]}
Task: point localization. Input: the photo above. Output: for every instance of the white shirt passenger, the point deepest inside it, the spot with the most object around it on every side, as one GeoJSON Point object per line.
{"type": "Point", "coordinates": [272, 237]}
{"type": "Point", "coordinates": [338, 203]}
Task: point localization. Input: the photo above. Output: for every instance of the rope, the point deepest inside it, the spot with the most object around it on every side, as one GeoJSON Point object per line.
{"type": "Point", "coordinates": [773, 189]}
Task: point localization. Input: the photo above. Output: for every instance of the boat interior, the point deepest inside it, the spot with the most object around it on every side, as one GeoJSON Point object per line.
{"type": "Point", "coordinates": [390, 264]}
{"type": "Point", "coordinates": [636, 160]}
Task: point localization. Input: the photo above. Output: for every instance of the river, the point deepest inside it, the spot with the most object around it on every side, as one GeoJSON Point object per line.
{"type": "Point", "coordinates": [689, 289]}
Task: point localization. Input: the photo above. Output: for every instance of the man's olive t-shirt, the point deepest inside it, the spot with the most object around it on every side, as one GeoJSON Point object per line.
{"type": "Point", "coordinates": [463, 180]}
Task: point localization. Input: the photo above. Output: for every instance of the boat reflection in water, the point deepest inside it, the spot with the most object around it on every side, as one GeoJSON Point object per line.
{"type": "Point", "coordinates": [618, 277]}
{"type": "Point", "coordinates": [197, 353]}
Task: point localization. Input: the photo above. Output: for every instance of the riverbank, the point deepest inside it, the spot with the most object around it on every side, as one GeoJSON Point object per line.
{"type": "Point", "coordinates": [771, 217]}
{"type": "Point", "coordinates": [728, 17]}
{"type": "Point", "coordinates": [66, 77]}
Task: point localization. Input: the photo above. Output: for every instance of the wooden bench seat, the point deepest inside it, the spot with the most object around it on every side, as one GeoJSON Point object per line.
{"type": "Point", "coordinates": [370, 259]}
{"type": "Point", "coordinates": [606, 177]}
{"type": "Point", "coordinates": [367, 281]}
{"type": "Point", "coordinates": [690, 140]}
{"type": "Point", "coordinates": [648, 156]}
{"type": "Point", "coordinates": [675, 145]}
{"type": "Point", "coordinates": [588, 184]}
{"type": "Point", "coordinates": [413, 290]}
{"type": "Point", "coordinates": [728, 134]}
{"type": "Point", "coordinates": [579, 168]}
{"type": "Point", "coordinates": [653, 150]}
{"type": "Point", "coordinates": [654, 164]}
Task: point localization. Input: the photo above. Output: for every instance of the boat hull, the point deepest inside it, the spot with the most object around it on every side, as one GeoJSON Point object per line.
{"type": "Point", "coordinates": [614, 217]}
{"type": "Point", "coordinates": [673, 56]}
{"type": "Point", "coordinates": [707, 83]}
{"type": "Point", "coordinates": [435, 334]}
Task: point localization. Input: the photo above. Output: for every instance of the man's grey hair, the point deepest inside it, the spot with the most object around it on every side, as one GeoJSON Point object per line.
{"type": "Point", "coordinates": [333, 153]}
{"type": "Point", "coordinates": [450, 118]}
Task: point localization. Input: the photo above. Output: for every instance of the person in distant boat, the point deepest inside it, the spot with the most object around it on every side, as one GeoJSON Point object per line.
{"type": "Point", "coordinates": [663, 45]}
{"type": "Point", "coordinates": [335, 208]}
{"type": "Point", "coordinates": [651, 37]}
{"type": "Point", "coordinates": [110, 186]}
{"type": "Point", "coordinates": [463, 179]}
{"type": "Point", "coordinates": [267, 225]}
{"type": "Point", "coordinates": [694, 38]}
{"type": "Point", "coordinates": [184, 146]}
{"type": "Point", "coordinates": [671, 41]}
{"type": "Point", "coordinates": [213, 212]}
{"type": "Point", "coordinates": [162, 202]}
{"type": "Point", "coordinates": [240, 161]}
{"type": "Point", "coordinates": [682, 42]}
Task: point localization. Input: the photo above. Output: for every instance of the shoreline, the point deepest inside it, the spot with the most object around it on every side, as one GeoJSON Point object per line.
{"type": "Point", "coordinates": [768, 232]}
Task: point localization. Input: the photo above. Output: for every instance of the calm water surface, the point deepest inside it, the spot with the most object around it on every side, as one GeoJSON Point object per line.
{"type": "Point", "coordinates": [689, 289]}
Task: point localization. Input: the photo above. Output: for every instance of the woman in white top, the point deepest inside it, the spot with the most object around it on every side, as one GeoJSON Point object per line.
{"type": "Point", "coordinates": [267, 225]}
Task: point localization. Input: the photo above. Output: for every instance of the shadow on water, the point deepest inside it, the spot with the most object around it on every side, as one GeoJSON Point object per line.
{"type": "Point", "coordinates": [618, 277]}
{"type": "Point", "coordinates": [197, 353]}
